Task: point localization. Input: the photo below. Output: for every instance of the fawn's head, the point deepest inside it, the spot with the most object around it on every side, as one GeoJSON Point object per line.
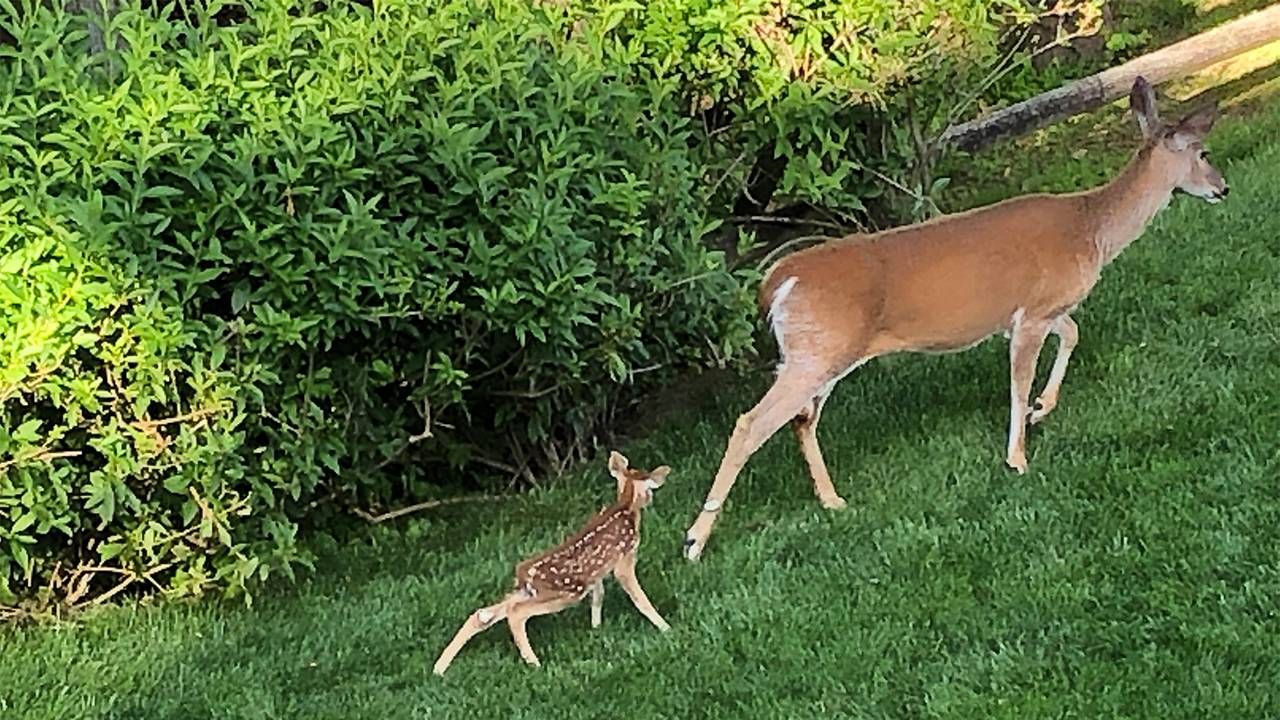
{"type": "Point", "coordinates": [635, 486]}
{"type": "Point", "coordinates": [1179, 148]}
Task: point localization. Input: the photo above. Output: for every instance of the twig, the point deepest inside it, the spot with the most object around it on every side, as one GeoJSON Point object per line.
{"type": "Point", "coordinates": [690, 279]}
{"type": "Point", "coordinates": [393, 514]}
{"type": "Point", "coordinates": [646, 369]}
{"type": "Point", "coordinates": [102, 569]}
{"type": "Point", "coordinates": [193, 415]}
{"type": "Point", "coordinates": [37, 376]}
{"type": "Point", "coordinates": [774, 253]}
{"type": "Point", "coordinates": [897, 185]}
{"type": "Point", "coordinates": [732, 166]}
{"type": "Point", "coordinates": [770, 219]}
{"type": "Point", "coordinates": [497, 465]}
{"type": "Point", "coordinates": [528, 394]}
{"type": "Point", "coordinates": [412, 439]}
{"type": "Point", "coordinates": [497, 368]}
{"type": "Point", "coordinates": [123, 584]}
{"type": "Point", "coordinates": [40, 455]}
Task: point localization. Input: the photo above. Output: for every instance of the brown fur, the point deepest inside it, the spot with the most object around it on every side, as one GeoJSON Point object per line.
{"type": "Point", "coordinates": [1018, 267]}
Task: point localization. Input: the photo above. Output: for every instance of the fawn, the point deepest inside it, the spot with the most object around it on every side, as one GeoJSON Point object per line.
{"type": "Point", "coordinates": [1019, 267]}
{"type": "Point", "coordinates": [563, 575]}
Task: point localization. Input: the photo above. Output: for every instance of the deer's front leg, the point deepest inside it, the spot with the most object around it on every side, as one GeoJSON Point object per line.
{"type": "Point", "coordinates": [626, 574]}
{"type": "Point", "coordinates": [597, 602]}
{"type": "Point", "coordinates": [1025, 342]}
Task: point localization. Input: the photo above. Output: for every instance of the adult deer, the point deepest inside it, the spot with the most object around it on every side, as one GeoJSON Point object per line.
{"type": "Point", "coordinates": [564, 575]}
{"type": "Point", "coordinates": [1019, 267]}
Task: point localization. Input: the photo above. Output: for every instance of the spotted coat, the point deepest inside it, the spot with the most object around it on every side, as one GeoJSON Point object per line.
{"type": "Point", "coordinates": [576, 564]}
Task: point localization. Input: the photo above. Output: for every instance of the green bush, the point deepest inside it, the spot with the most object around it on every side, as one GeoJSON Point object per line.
{"type": "Point", "coordinates": [843, 93]}
{"type": "Point", "coordinates": [268, 244]}
{"type": "Point", "coordinates": [355, 253]}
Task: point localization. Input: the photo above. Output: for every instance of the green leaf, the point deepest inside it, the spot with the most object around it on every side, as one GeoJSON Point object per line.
{"type": "Point", "coordinates": [108, 551]}
{"type": "Point", "coordinates": [28, 431]}
{"type": "Point", "coordinates": [239, 297]}
{"type": "Point", "coordinates": [24, 521]}
{"type": "Point", "coordinates": [102, 498]}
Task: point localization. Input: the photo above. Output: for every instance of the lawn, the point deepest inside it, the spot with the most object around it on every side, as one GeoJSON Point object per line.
{"type": "Point", "coordinates": [1132, 573]}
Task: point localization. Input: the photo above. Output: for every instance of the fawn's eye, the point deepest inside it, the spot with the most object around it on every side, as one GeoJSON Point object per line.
{"type": "Point", "coordinates": [1204, 154]}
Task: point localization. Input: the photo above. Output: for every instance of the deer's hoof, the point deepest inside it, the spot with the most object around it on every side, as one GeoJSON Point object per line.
{"type": "Point", "coordinates": [692, 548]}
{"type": "Point", "coordinates": [1041, 411]}
{"type": "Point", "coordinates": [1018, 462]}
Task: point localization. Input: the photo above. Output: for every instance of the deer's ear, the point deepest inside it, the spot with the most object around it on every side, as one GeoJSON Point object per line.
{"type": "Point", "coordinates": [1142, 100]}
{"type": "Point", "coordinates": [1196, 125]}
{"type": "Point", "coordinates": [657, 477]}
{"type": "Point", "coordinates": [618, 463]}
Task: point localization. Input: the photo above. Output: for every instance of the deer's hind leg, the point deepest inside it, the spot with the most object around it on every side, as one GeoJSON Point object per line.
{"type": "Point", "coordinates": [480, 620]}
{"type": "Point", "coordinates": [597, 603]}
{"type": "Point", "coordinates": [805, 426]}
{"type": "Point", "coordinates": [519, 616]}
{"type": "Point", "coordinates": [1068, 334]}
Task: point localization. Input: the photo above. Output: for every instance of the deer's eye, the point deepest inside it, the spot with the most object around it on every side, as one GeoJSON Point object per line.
{"type": "Point", "coordinates": [1204, 154]}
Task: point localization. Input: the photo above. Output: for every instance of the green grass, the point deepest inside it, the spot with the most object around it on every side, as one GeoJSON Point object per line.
{"type": "Point", "coordinates": [1133, 573]}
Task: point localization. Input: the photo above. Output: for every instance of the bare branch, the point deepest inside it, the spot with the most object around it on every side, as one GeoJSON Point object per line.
{"type": "Point", "coordinates": [770, 219]}
{"type": "Point", "coordinates": [42, 454]}
{"type": "Point", "coordinates": [418, 507]}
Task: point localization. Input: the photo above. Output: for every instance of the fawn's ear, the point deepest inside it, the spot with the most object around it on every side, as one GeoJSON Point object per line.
{"type": "Point", "coordinates": [657, 477]}
{"type": "Point", "coordinates": [618, 463]}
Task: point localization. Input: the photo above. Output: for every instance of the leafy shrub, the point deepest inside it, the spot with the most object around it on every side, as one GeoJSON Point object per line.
{"type": "Point", "coordinates": [843, 93]}
{"type": "Point", "coordinates": [355, 252]}
{"type": "Point", "coordinates": [266, 245]}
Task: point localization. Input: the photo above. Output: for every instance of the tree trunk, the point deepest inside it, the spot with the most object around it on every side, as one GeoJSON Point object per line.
{"type": "Point", "coordinates": [1168, 63]}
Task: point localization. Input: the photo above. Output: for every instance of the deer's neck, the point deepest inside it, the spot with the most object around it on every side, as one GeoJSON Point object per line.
{"type": "Point", "coordinates": [1127, 204]}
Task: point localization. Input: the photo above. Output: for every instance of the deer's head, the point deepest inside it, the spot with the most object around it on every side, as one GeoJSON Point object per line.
{"type": "Point", "coordinates": [636, 486]}
{"type": "Point", "coordinates": [1178, 149]}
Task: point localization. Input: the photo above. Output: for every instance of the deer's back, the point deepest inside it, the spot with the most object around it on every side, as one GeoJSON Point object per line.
{"type": "Point", "coordinates": [590, 554]}
{"type": "Point", "coordinates": [939, 285]}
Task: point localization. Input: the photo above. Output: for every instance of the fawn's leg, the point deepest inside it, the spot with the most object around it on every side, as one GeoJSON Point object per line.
{"type": "Point", "coordinates": [805, 426]}
{"type": "Point", "coordinates": [795, 386]}
{"type": "Point", "coordinates": [480, 620]}
{"type": "Point", "coordinates": [1025, 342]}
{"type": "Point", "coordinates": [625, 571]}
{"type": "Point", "coordinates": [597, 602]}
{"type": "Point", "coordinates": [519, 615]}
{"type": "Point", "coordinates": [1068, 333]}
